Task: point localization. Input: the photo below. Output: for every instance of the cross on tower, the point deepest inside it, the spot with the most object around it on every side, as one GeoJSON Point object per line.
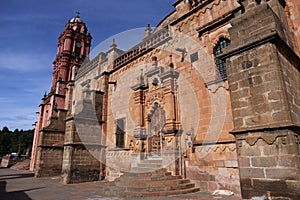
{"type": "Point", "coordinates": [77, 13]}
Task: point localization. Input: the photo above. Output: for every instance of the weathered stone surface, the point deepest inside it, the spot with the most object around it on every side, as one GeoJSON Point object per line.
{"type": "Point", "coordinates": [5, 161]}
{"type": "Point", "coordinates": [262, 62]}
{"type": "Point", "coordinates": [175, 106]}
{"type": "Point", "coordinates": [157, 182]}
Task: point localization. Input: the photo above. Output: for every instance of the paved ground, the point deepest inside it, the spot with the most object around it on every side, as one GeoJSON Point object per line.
{"type": "Point", "coordinates": [21, 185]}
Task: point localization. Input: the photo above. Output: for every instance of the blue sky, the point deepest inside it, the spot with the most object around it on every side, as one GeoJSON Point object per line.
{"type": "Point", "coordinates": [29, 33]}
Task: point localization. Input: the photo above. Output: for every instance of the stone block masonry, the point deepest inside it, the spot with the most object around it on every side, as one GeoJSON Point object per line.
{"type": "Point", "coordinates": [50, 147]}
{"type": "Point", "coordinates": [264, 99]}
{"type": "Point", "coordinates": [82, 147]}
{"type": "Point", "coordinates": [153, 103]}
{"type": "Point", "coordinates": [269, 163]}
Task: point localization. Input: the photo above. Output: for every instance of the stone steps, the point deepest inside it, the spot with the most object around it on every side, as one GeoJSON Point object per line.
{"type": "Point", "coordinates": [148, 165]}
{"type": "Point", "coordinates": [157, 160]}
{"type": "Point", "coordinates": [142, 169]}
{"type": "Point", "coordinates": [150, 179]}
{"type": "Point", "coordinates": [160, 193]}
{"type": "Point", "coordinates": [146, 175]}
{"type": "Point", "coordinates": [130, 180]}
{"type": "Point", "coordinates": [158, 183]}
{"type": "Point", "coordinates": [159, 188]}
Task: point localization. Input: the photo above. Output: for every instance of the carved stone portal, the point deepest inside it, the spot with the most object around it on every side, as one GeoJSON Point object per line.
{"type": "Point", "coordinates": [155, 102]}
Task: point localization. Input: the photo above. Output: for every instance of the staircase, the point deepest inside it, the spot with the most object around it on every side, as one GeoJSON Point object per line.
{"type": "Point", "coordinates": [149, 179]}
{"type": "Point", "coordinates": [149, 165]}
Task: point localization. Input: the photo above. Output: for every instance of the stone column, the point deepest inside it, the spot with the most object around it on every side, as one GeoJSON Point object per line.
{"type": "Point", "coordinates": [139, 114]}
{"type": "Point", "coordinates": [263, 79]}
{"type": "Point", "coordinates": [169, 79]}
{"type": "Point", "coordinates": [171, 153]}
{"type": "Point", "coordinates": [139, 104]}
{"type": "Point", "coordinates": [140, 131]}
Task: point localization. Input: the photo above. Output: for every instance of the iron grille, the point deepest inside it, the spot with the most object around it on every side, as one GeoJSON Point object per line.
{"type": "Point", "coordinates": [221, 64]}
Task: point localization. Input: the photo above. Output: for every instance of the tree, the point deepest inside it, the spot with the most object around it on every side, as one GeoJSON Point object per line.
{"type": "Point", "coordinates": [5, 130]}
{"type": "Point", "coordinates": [4, 142]}
{"type": "Point", "coordinates": [17, 141]}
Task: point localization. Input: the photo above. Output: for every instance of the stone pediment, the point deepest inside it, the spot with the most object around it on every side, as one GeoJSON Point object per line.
{"type": "Point", "coordinates": [171, 73]}
{"type": "Point", "coordinates": [155, 76]}
{"type": "Point", "coordinates": [154, 71]}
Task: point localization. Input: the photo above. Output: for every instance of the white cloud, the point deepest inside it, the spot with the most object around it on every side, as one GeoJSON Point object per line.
{"type": "Point", "coordinates": [4, 100]}
{"type": "Point", "coordinates": [24, 62]}
{"type": "Point", "coordinates": [29, 17]}
{"type": "Point", "coordinates": [17, 117]}
{"type": "Point", "coordinates": [124, 41]}
{"type": "Point", "coordinates": [23, 89]}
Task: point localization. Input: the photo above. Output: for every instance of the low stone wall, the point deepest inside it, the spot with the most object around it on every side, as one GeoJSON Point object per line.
{"type": "Point", "coordinates": [118, 161]}
{"type": "Point", "coordinates": [213, 167]}
{"type": "Point", "coordinates": [5, 161]}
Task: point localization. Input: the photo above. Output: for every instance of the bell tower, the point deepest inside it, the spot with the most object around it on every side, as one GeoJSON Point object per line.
{"type": "Point", "coordinates": [73, 47]}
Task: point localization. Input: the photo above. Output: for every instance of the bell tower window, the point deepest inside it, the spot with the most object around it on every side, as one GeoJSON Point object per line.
{"type": "Point", "coordinates": [220, 64]}
{"type": "Point", "coordinates": [77, 48]}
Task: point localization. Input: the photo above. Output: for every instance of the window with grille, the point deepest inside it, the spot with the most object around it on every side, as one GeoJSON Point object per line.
{"type": "Point", "coordinates": [220, 64]}
{"type": "Point", "coordinates": [120, 133]}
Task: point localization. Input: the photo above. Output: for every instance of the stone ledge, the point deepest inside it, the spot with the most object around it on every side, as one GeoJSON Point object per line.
{"type": "Point", "coordinates": [291, 126]}
{"type": "Point", "coordinates": [51, 146]}
{"type": "Point", "coordinates": [272, 29]}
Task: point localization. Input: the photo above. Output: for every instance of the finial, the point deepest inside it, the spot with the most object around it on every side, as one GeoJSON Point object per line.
{"type": "Point", "coordinates": [148, 31]}
{"type": "Point", "coordinates": [45, 96]}
{"type": "Point", "coordinates": [113, 44]}
{"type": "Point", "coordinates": [154, 61]}
{"type": "Point", "coordinates": [141, 78]}
{"type": "Point", "coordinates": [148, 27]}
{"type": "Point", "coordinates": [77, 13]}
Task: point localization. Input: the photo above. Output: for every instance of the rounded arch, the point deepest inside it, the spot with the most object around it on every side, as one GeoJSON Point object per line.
{"type": "Point", "coordinates": [222, 34]}
{"type": "Point", "coordinates": [220, 65]}
{"type": "Point", "coordinates": [215, 37]}
{"type": "Point", "coordinates": [154, 107]}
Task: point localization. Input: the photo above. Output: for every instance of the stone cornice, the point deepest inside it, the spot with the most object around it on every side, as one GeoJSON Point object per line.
{"type": "Point", "coordinates": [271, 30]}
{"type": "Point", "coordinates": [192, 11]}
{"type": "Point", "coordinates": [291, 126]}
{"type": "Point", "coordinates": [215, 23]}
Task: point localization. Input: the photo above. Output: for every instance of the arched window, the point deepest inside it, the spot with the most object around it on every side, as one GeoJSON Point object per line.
{"type": "Point", "coordinates": [220, 64]}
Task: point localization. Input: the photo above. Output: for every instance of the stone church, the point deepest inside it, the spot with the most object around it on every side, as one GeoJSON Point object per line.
{"type": "Point", "coordinates": [210, 96]}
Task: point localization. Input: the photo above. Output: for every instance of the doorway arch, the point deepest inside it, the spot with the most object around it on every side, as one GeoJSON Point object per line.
{"type": "Point", "coordinates": [156, 121]}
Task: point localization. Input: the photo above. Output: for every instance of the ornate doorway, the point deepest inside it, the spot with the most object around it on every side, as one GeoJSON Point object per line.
{"type": "Point", "coordinates": [157, 120]}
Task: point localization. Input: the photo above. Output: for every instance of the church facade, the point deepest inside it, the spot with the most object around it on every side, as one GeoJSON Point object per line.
{"type": "Point", "coordinates": [212, 93]}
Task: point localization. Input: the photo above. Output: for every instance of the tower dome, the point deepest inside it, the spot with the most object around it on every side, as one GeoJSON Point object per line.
{"type": "Point", "coordinates": [76, 19]}
{"type": "Point", "coordinates": [77, 24]}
